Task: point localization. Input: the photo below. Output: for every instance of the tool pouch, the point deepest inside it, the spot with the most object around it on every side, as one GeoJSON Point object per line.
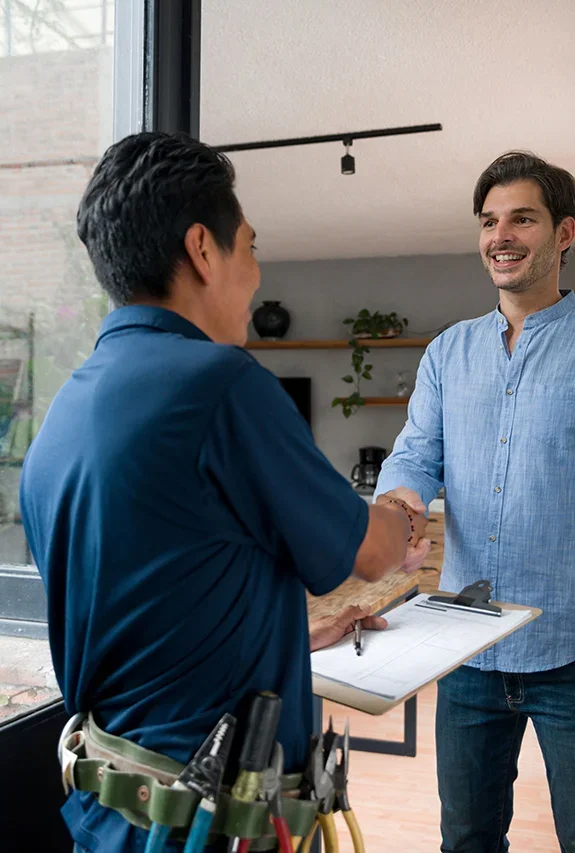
{"type": "Point", "coordinates": [136, 782]}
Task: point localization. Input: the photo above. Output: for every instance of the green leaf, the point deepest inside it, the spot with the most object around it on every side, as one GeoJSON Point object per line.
{"type": "Point", "coordinates": [366, 374]}
{"type": "Point", "coordinates": [335, 402]}
{"type": "Point", "coordinates": [363, 314]}
{"type": "Point", "coordinates": [347, 378]}
{"type": "Point", "coordinates": [368, 367]}
{"type": "Point", "coordinates": [348, 321]}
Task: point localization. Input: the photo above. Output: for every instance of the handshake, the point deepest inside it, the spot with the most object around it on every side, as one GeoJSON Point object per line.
{"type": "Point", "coordinates": [409, 502]}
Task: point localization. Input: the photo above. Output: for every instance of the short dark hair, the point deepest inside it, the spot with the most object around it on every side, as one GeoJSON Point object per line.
{"type": "Point", "coordinates": [557, 185]}
{"type": "Point", "coordinates": [146, 191]}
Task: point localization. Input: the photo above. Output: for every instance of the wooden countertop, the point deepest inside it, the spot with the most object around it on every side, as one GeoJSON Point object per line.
{"type": "Point", "coordinates": [375, 596]}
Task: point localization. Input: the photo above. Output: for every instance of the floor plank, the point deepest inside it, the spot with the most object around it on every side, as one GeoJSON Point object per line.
{"type": "Point", "coordinates": [395, 798]}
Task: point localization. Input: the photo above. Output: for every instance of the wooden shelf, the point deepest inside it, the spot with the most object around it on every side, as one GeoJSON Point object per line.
{"type": "Point", "coordinates": [384, 401]}
{"type": "Point", "coordinates": [340, 344]}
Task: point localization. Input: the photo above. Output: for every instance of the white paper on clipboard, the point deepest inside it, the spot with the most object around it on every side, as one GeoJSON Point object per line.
{"type": "Point", "coordinates": [418, 646]}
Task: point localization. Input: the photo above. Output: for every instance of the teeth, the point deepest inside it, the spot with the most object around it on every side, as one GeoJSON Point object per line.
{"type": "Point", "coordinates": [500, 258]}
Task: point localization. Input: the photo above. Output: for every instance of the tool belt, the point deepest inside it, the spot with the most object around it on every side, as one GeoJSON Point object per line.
{"type": "Point", "coordinates": [136, 782]}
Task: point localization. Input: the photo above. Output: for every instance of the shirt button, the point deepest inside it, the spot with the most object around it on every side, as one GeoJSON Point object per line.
{"type": "Point", "coordinates": [503, 440]}
{"type": "Point", "coordinates": [497, 489]}
{"type": "Point", "coordinates": [501, 347]}
{"type": "Point", "coordinates": [500, 320]}
{"type": "Point", "coordinates": [492, 538]}
{"type": "Point", "coordinates": [510, 391]}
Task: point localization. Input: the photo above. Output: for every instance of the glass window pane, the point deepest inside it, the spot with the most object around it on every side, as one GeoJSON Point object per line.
{"type": "Point", "coordinates": [56, 103]}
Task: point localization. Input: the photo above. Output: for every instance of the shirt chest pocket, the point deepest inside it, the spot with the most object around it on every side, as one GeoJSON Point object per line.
{"type": "Point", "coordinates": [549, 414]}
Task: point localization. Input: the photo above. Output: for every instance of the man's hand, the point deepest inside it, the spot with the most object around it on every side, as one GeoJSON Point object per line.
{"type": "Point", "coordinates": [410, 497]}
{"type": "Point", "coordinates": [329, 629]}
{"type": "Point", "coordinates": [418, 548]}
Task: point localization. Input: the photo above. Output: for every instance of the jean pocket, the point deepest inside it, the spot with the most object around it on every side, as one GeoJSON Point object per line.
{"type": "Point", "coordinates": [550, 416]}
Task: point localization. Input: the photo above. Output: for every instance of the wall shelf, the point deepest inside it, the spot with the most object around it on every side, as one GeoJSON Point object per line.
{"type": "Point", "coordinates": [384, 401]}
{"type": "Point", "coordinates": [339, 344]}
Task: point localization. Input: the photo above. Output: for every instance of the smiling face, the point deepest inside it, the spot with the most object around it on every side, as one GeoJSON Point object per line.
{"type": "Point", "coordinates": [519, 246]}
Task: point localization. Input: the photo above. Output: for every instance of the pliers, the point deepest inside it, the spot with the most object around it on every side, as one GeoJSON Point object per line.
{"type": "Point", "coordinates": [337, 799]}
{"type": "Point", "coordinates": [272, 794]}
{"type": "Point", "coordinates": [319, 781]}
{"type": "Point", "coordinates": [341, 799]}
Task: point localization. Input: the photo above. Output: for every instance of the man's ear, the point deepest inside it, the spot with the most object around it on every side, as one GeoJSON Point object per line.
{"type": "Point", "coordinates": [566, 233]}
{"type": "Point", "coordinates": [200, 248]}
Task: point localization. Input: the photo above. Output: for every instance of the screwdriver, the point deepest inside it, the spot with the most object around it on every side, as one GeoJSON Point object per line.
{"type": "Point", "coordinates": [256, 751]}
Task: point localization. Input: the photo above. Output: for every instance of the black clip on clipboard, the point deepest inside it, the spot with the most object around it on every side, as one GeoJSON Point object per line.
{"type": "Point", "coordinates": [475, 598]}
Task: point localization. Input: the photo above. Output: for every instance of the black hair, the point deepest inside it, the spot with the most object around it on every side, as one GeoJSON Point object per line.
{"type": "Point", "coordinates": [145, 193]}
{"type": "Point", "coordinates": [557, 185]}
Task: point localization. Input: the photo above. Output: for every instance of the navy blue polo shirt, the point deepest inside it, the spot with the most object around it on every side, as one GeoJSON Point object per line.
{"type": "Point", "coordinates": [177, 508]}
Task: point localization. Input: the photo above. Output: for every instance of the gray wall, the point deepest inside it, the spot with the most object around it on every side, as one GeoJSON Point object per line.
{"type": "Point", "coordinates": [429, 290]}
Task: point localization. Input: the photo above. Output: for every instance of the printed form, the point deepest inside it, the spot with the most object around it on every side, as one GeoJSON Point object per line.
{"type": "Point", "coordinates": [418, 646]}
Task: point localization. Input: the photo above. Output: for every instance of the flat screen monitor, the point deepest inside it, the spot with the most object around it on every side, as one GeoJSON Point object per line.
{"type": "Point", "coordinates": [299, 389]}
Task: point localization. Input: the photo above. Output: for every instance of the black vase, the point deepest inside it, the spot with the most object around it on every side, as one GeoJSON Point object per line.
{"type": "Point", "coordinates": [271, 320]}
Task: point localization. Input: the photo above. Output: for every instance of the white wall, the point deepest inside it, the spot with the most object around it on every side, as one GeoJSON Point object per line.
{"type": "Point", "coordinates": [429, 290]}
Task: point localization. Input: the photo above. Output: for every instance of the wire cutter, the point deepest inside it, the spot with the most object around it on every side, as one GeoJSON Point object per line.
{"type": "Point", "coordinates": [271, 793]}
{"type": "Point", "coordinates": [338, 800]}
{"type": "Point", "coordinates": [341, 799]}
{"type": "Point", "coordinates": [319, 781]}
{"type": "Point", "coordinates": [203, 775]}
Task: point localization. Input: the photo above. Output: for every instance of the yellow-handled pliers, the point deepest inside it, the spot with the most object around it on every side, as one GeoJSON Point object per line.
{"type": "Point", "coordinates": [340, 801]}
{"type": "Point", "coordinates": [318, 785]}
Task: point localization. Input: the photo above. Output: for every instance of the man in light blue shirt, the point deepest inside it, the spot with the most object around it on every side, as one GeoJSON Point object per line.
{"type": "Point", "coordinates": [492, 419]}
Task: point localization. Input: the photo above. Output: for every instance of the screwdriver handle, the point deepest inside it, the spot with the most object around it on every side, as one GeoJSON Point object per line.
{"type": "Point", "coordinates": [261, 732]}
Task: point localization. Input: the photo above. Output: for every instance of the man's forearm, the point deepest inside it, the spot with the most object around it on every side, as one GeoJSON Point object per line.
{"type": "Point", "coordinates": [385, 545]}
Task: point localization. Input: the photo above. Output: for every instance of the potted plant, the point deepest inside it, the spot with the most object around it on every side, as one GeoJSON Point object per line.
{"type": "Point", "coordinates": [353, 401]}
{"type": "Point", "coordinates": [365, 326]}
{"type": "Point", "coordinates": [376, 325]}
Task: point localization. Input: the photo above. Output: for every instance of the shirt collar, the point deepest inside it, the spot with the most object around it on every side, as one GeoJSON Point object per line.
{"type": "Point", "coordinates": [547, 315]}
{"type": "Point", "coordinates": [131, 316]}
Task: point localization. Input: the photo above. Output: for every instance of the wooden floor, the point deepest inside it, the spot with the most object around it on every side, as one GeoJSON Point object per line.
{"type": "Point", "coordinates": [395, 798]}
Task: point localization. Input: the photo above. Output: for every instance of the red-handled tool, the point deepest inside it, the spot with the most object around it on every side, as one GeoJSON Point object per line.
{"type": "Point", "coordinates": [272, 794]}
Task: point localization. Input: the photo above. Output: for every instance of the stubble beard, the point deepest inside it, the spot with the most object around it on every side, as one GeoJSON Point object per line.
{"type": "Point", "coordinates": [541, 265]}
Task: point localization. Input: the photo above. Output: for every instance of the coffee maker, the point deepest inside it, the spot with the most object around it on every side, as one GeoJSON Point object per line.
{"type": "Point", "coordinates": [365, 473]}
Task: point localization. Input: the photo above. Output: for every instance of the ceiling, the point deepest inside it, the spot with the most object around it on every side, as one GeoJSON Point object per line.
{"type": "Point", "coordinates": [498, 75]}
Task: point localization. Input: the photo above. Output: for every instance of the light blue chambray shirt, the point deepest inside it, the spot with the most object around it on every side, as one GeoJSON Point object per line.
{"type": "Point", "coordinates": [498, 430]}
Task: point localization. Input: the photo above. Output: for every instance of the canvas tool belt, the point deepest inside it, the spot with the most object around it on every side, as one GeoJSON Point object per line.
{"type": "Point", "coordinates": [136, 782]}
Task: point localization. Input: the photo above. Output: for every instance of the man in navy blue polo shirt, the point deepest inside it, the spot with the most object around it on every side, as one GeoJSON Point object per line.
{"type": "Point", "coordinates": [174, 500]}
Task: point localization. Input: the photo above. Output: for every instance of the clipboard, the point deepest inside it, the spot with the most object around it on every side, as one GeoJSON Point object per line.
{"type": "Point", "coordinates": [351, 695]}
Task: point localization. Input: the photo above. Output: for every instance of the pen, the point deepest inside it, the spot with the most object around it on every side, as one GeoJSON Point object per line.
{"type": "Point", "coordinates": [357, 637]}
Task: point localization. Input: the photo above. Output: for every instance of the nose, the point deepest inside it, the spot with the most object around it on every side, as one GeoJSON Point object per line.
{"type": "Point", "coordinates": [503, 232]}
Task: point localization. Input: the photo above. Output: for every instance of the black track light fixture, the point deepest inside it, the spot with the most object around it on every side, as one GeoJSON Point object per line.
{"type": "Point", "coordinates": [347, 161]}
{"type": "Point", "coordinates": [346, 138]}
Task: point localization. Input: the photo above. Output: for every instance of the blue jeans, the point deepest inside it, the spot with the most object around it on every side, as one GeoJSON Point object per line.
{"type": "Point", "coordinates": [480, 722]}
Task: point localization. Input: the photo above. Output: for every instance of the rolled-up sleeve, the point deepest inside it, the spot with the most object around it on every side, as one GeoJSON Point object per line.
{"type": "Point", "coordinates": [417, 458]}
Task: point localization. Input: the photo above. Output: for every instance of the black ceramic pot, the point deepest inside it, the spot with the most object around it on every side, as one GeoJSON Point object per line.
{"type": "Point", "coordinates": [271, 320]}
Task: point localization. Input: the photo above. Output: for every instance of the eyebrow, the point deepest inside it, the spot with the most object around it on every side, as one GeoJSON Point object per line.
{"type": "Point", "coordinates": [489, 214]}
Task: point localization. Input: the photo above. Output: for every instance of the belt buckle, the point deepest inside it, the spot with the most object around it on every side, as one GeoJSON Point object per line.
{"type": "Point", "coordinates": [66, 757]}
